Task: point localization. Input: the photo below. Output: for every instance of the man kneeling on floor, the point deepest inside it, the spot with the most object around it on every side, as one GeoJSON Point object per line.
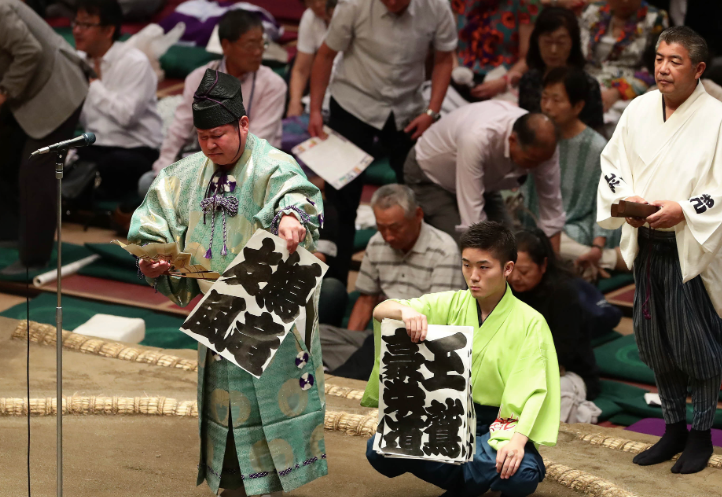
{"type": "Point", "coordinates": [514, 373]}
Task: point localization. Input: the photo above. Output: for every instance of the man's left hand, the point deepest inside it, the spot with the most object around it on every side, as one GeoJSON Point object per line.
{"type": "Point", "coordinates": [509, 456]}
{"type": "Point", "coordinates": [668, 216]}
{"type": "Point", "coordinates": [292, 231]}
{"type": "Point", "coordinates": [419, 125]}
{"type": "Point", "coordinates": [3, 98]}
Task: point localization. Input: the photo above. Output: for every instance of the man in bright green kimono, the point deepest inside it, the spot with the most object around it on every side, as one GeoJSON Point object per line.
{"type": "Point", "coordinates": [514, 372]}
{"type": "Point", "coordinates": [258, 435]}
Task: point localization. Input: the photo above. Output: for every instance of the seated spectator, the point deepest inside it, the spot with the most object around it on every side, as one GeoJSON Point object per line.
{"type": "Point", "coordinates": [460, 165]}
{"type": "Point", "coordinates": [407, 258]}
{"type": "Point", "coordinates": [311, 33]}
{"type": "Point", "coordinates": [121, 106]}
{"type": "Point", "coordinates": [615, 36]}
{"type": "Point", "coordinates": [541, 282]}
{"type": "Point", "coordinates": [583, 241]}
{"type": "Point", "coordinates": [264, 91]}
{"type": "Point", "coordinates": [491, 35]}
{"type": "Point", "coordinates": [555, 43]}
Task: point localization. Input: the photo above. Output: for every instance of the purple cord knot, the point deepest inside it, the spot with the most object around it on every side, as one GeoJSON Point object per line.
{"type": "Point", "coordinates": [226, 205]}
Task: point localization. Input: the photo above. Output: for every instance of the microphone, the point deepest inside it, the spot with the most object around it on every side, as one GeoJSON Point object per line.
{"type": "Point", "coordinates": [81, 141]}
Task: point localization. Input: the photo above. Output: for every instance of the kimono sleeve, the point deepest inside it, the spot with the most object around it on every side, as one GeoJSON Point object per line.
{"type": "Point", "coordinates": [158, 220]}
{"type": "Point", "coordinates": [613, 186]}
{"type": "Point", "coordinates": [435, 307]}
{"type": "Point", "coordinates": [530, 404]}
{"type": "Point", "coordinates": [289, 192]}
{"type": "Point", "coordinates": [703, 211]}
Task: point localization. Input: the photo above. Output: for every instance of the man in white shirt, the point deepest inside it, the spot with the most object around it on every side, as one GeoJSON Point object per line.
{"type": "Point", "coordinates": [461, 163]}
{"type": "Point", "coordinates": [121, 106]}
{"type": "Point", "coordinates": [264, 91]}
{"type": "Point", "coordinates": [375, 90]}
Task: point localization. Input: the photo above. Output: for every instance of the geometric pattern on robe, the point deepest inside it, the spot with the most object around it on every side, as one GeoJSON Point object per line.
{"type": "Point", "coordinates": [514, 363]}
{"type": "Point", "coordinates": [677, 159]}
{"type": "Point", "coordinates": [277, 425]}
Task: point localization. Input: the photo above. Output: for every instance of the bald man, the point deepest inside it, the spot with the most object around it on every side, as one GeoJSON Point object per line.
{"type": "Point", "coordinates": [459, 166]}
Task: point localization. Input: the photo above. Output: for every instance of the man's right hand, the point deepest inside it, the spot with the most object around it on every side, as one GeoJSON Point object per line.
{"type": "Point", "coordinates": [416, 324]}
{"type": "Point", "coordinates": [153, 269]}
{"type": "Point", "coordinates": [636, 222]}
{"type": "Point", "coordinates": [3, 98]}
{"type": "Point", "coordinates": [315, 125]}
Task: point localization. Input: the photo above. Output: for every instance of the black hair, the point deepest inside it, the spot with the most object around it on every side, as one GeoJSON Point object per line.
{"type": "Point", "coordinates": [551, 19]}
{"type": "Point", "coordinates": [108, 11]}
{"type": "Point", "coordinates": [491, 236]}
{"type": "Point", "coordinates": [526, 132]}
{"type": "Point", "coordinates": [534, 242]}
{"type": "Point", "coordinates": [575, 83]}
{"type": "Point", "coordinates": [330, 5]}
{"type": "Point", "coordinates": [235, 23]}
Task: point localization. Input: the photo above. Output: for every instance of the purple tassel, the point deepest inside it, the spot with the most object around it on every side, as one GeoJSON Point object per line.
{"type": "Point", "coordinates": [209, 254]}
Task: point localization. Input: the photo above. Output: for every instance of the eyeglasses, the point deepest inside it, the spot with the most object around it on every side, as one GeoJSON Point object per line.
{"type": "Point", "coordinates": [250, 46]}
{"type": "Point", "coordinates": [84, 25]}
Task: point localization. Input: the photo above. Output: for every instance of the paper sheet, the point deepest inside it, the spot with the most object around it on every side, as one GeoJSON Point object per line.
{"type": "Point", "coordinates": [335, 159]}
{"type": "Point", "coordinates": [249, 311]}
{"type": "Point", "coordinates": [425, 405]}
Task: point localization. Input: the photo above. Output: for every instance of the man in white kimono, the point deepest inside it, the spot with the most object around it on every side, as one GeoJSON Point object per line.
{"type": "Point", "coordinates": [667, 152]}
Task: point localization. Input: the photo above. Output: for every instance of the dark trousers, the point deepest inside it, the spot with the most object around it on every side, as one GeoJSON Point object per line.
{"type": "Point", "coordinates": [119, 168]}
{"type": "Point", "coordinates": [678, 331]}
{"type": "Point", "coordinates": [12, 140]}
{"type": "Point", "coordinates": [347, 199]}
{"type": "Point", "coordinates": [38, 195]}
{"type": "Point", "coordinates": [474, 478]}
{"type": "Point", "coordinates": [332, 303]}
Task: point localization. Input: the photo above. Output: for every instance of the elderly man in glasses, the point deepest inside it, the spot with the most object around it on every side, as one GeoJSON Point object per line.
{"type": "Point", "coordinates": [243, 42]}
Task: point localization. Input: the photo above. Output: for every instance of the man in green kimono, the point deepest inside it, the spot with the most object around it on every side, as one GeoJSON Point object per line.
{"type": "Point", "coordinates": [514, 372]}
{"type": "Point", "coordinates": [258, 435]}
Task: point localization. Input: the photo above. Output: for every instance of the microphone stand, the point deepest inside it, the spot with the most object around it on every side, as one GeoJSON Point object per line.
{"type": "Point", "coordinates": [59, 328]}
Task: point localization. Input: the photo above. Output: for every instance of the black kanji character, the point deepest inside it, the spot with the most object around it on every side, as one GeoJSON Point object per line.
{"type": "Point", "coordinates": [612, 181]}
{"type": "Point", "coordinates": [253, 342]}
{"type": "Point", "coordinates": [702, 203]}
{"type": "Point", "coordinates": [445, 362]}
{"type": "Point", "coordinates": [215, 315]}
{"type": "Point", "coordinates": [443, 427]}
{"type": "Point", "coordinates": [288, 288]}
{"type": "Point", "coordinates": [255, 269]}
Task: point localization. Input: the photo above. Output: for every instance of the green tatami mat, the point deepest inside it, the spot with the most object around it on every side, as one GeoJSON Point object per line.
{"type": "Point", "coordinates": [620, 359]}
{"type": "Point", "coordinates": [116, 264]}
{"type": "Point", "coordinates": [71, 253]}
{"type": "Point", "coordinates": [601, 340]}
{"type": "Point", "coordinates": [160, 330]}
{"type": "Point", "coordinates": [616, 281]}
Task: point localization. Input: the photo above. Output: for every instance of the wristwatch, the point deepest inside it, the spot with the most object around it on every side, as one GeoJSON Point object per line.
{"type": "Point", "coordinates": [601, 249]}
{"type": "Point", "coordinates": [434, 115]}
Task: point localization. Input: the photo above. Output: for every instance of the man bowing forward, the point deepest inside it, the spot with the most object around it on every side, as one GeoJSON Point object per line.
{"type": "Point", "coordinates": [666, 152]}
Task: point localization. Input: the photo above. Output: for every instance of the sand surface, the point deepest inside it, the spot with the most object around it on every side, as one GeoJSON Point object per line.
{"type": "Point", "coordinates": [157, 456]}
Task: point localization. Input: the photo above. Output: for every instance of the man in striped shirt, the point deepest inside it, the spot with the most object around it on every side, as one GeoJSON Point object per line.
{"type": "Point", "coordinates": [407, 258]}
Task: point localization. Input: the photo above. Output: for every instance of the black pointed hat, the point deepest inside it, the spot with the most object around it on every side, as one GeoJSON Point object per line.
{"type": "Point", "coordinates": [217, 101]}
